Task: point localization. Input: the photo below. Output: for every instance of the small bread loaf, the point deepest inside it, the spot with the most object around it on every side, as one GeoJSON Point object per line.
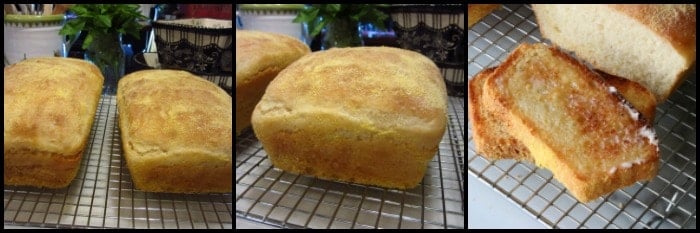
{"type": "Point", "coordinates": [176, 132]}
{"type": "Point", "coordinates": [259, 57]}
{"type": "Point", "coordinates": [370, 115]}
{"type": "Point", "coordinates": [652, 44]}
{"type": "Point", "coordinates": [49, 107]}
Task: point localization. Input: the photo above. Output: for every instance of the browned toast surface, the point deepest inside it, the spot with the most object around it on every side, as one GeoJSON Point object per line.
{"type": "Point", "coordinates": [571, 121]}
{"type": "Point", "coordinates": [638, 96]}
{"type": "Point", "coordinates": [490, 134]}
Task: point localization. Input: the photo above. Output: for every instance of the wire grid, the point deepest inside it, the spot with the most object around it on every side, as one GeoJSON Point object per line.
{"type": "Point", "coordinates": [668, 201]}
{"type": "Point", "coordinates": [271, 196]}
{"type": "Point", "coordinates": [102, 195]}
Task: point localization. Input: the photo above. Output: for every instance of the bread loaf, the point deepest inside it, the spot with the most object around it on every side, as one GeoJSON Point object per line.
{"type": "Point", "coordinates": [176, 132]}
{"type": "Point", "coordinates": [259, 57]}
{"type": "Point", "coordinates": [652, 44]}
{"type": "Point", "coordinates": [572, 122]}
{"type": "Point", "coordinates": [369, 115]}
{"type": "Point", "coordinates": [49, 106]}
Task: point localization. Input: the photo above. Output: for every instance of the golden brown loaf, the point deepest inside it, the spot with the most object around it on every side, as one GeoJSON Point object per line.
{"type": "Point", "coordinates": [572, 123]}
{"type": "Point", "coordinates": [653, 44]}
{"type": "Point", "coordinates": [49, 108]}
{"type": "Point", "coordinates": [370, 115]}
{"type": "Point", "coordinates": [176, 132]}
{"type": "Point", "coordinates": [490, 133]}
{"type": "Point", "coordinates": [259, 57]}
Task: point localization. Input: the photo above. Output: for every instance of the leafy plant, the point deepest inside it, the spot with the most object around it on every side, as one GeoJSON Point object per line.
{"type": "Point", "coordinates": [103, 19]}
{"type": "Point", "coordinates": [317, 16]}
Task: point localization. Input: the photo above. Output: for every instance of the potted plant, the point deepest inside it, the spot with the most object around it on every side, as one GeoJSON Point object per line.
{"type": "Point", "coordinates": [340, 21]}
{"type": "Point", "coordinates": [105, 24]}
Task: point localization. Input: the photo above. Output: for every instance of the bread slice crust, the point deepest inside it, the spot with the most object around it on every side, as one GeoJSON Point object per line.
{"type": "Point", "coordinates": [490, 133]}
{"type": "Point", "coordinates": [572, 123]}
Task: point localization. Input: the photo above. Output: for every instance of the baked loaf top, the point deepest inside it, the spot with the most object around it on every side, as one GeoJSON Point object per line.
{"type": "Point", "coordinates": [50, 104]}
{"type": "Point", "coordinates": [396, 94]}
{"type": "Point", "coordinates": [257, 51]}
{"type": "Point", "coordinates": [169, 112]}
{"type": "Point", "coordinates": [674, 22]}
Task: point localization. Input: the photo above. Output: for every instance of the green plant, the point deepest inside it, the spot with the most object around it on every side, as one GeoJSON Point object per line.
{"type": "Point", "coordinates": [318, 16]}
{"type": "Point", "coordinates": [103, 19]}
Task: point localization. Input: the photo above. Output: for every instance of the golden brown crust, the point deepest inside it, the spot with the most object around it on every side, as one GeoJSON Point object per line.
{"type": "Point", "coordinates": [571, 122]}
{"type": "Point", "coordinates": [48, 99]}
{"type": "Point", "coordinates": [257, 50]}
{"type": "Point", "coordinates": [49, 106]}
{"type": "Point", "coordinates": [248, 95]}
{"type": "Point", "coordinates": [638, 96]}
{"type": "Point", "coordinates": [259, 57]}
{"type": "Point", "coordinates": [674, 22]}
{"type": "Point", "coordinates": [478, 11]}
{"type": "Point", "coordinates": [370, 108]}
{"type": "Point", "coordinates": [174, 125]}
{"type": "Point", "coordinates": [488, 128]}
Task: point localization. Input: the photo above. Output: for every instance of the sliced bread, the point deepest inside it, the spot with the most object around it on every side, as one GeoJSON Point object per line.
{"type": "Point", "coordinates": [652, 44]}
{"type": "Point", "coordinates": [571, 122]}
{"type": "Point", "coordinates": [491, 136]}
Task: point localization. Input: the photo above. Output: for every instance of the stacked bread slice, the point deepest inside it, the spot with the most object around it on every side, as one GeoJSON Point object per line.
{"type": "Point", "coordinates": [542, 105]}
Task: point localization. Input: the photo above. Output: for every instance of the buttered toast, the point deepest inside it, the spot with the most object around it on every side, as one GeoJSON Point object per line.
{"type": "Point", "coordinates": [571, 122]}
{"type": "Point", "coordinates": [490, 134]}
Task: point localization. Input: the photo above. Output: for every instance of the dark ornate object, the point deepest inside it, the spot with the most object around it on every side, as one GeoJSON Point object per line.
{"type": "Point", "coordinates": [442, 41]}
{"type": "Point", "coordinates": [195, 49]}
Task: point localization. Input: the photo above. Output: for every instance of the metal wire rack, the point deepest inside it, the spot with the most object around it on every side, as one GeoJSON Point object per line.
{"type": "Point", "coordinates": [102, 195]}
{"type": "Point", "coordinates": [271, 196]}
{"type": "Point", "coordinates": [668, 201]}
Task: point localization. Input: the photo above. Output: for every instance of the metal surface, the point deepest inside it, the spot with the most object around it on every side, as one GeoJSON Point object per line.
{"type": "Point", "coordinates": [102, 195]}
{"type": "Point", "coordinates": [271, 196]}
{"type": "Point", "coordinates": [668, 201]}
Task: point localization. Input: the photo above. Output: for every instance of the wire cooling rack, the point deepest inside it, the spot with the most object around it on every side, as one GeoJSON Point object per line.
{"type": "Point", "coordinates": [102, 195]}
{"type": "Point", "coordinates": [667, 201]}
{"type": "Point", "coordinates": [271, 196]}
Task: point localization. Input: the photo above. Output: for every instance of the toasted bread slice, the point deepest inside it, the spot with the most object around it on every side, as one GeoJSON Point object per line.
{"type": "Point", "coordinates": [638, 96]}
{"type": "Point", "coordinates": [571, 121]}
{"type": "Point", "coordinates": [490, 134]}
